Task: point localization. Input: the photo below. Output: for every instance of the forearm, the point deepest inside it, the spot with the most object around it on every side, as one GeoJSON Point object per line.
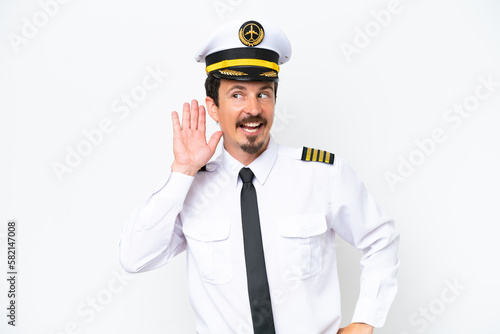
{"type": "Point", "coordinates": [154, 233]}
{"type": "Point", "coordinates": [361, 222]}
{"type": "Point", "coordinates": [378, 284]}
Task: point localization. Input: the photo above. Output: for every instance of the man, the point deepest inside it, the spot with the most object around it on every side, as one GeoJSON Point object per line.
{"type": "Point", "coordinates": [259, 222]}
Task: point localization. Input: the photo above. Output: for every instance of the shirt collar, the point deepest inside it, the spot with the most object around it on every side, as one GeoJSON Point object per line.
{"type": "Point", "coordinates": [261, 167]}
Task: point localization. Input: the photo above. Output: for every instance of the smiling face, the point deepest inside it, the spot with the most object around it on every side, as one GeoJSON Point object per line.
{"type": "Point", "coordinates": [245, 114]}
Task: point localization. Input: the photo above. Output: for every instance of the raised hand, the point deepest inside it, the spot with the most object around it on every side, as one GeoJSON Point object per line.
{"type": "Point", "coordinates": [191, 150]}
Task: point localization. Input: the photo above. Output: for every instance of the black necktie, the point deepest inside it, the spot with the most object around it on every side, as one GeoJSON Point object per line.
{"type": "Point", "coordinates": [258, 288]}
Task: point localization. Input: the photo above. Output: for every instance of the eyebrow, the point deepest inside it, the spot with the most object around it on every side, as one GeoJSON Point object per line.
{"type": "Point", "coordinates": [267, 87]}
{"type": "Point", "coordinates": [244, 88]}
{"type": "Point", "coordinates": [237, 87]}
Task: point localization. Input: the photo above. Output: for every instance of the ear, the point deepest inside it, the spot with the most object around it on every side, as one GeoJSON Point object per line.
{"type": "Point", "coordinates": [212, 108]}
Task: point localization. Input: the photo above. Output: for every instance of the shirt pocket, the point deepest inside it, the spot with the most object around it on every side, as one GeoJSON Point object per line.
{"type": "Point", "coordinates": [209, 245]}
{"type": "Point", "coordinates": [301, 245]}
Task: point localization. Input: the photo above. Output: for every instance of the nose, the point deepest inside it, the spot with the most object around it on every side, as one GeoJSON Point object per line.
{"type": "Point", "coordinates": [252, 106]}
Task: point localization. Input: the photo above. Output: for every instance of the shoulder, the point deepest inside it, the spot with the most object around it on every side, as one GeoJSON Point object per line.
{"type": "Point", "coordinates": [309, 160]}
{"type": "Point", "coordinates": [309, 156]}
{"type": "Point", "coordinates": [320, 164]}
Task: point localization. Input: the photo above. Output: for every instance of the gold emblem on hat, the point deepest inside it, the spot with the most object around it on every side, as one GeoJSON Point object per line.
{"type": "Point", "coordinates": [270, 74]}
{"type": "Point", "coordinates": [251, 33]}
{"type": "Point", "coordinates": [232, 72]}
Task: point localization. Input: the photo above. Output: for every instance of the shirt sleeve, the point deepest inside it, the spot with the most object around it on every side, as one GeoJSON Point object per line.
{"type": "Point", "coordinates": [358, 220]}
{"type": "Point", "coordinates": [153, 235]}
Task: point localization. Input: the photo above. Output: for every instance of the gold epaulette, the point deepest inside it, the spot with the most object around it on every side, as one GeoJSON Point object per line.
{"type": "Point", "coordinates": [312, 154]}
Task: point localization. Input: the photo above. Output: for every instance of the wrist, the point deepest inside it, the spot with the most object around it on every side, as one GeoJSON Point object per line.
{"type": "Point", "coordinates": [184, 169]}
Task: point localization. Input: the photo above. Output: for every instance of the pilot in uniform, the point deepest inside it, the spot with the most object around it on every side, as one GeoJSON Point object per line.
{"type": "Point", "coordinates": [304, 197]}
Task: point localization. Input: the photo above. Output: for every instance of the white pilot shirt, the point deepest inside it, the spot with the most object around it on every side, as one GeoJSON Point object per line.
{"type": "Point", "coordinates": [302, 206]}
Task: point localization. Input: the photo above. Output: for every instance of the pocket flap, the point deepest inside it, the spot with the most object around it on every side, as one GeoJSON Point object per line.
{"type": "Point", "coordinates": [207, 229]}
{"type": "Point", "coordinates": [302, 226]}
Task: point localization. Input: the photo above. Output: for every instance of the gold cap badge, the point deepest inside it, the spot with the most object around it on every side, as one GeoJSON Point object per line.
{"type": "Point", "coordinates": [251, 33]}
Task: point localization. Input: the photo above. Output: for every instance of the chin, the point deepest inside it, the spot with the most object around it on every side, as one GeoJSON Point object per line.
{"type": "Point", "coordinates": [253, 145]}
{"type": "Point", "coordinates": [251, 149]}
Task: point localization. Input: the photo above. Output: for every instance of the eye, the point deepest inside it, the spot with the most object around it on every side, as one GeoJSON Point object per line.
{"type": "Point", "coordinates": [237, 95]}
{"type": "Point", "coordinates": [264, 95]}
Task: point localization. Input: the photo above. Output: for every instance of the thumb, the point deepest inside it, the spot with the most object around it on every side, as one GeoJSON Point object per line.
{"type": "Point", "coordinates": [214, 140]}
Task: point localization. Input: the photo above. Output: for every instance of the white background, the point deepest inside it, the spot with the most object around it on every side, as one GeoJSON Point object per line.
{"type": "Point", "coordinates": [369, 107]}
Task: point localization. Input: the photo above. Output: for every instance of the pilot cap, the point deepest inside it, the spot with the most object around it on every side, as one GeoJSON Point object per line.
{"type": "Point", "coordinates": [246, 50]}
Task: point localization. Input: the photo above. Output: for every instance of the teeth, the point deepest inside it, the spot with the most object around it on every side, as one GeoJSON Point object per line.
{"type": "Point", "coordinates": [251, 127]}
{"type": "Point", "coordinates": [252, 130]}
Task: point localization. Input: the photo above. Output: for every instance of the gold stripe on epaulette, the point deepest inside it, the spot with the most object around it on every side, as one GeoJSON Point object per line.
{"type": "Point", "coordinates": [312, 154]}
{"type": "Point", "coordinates": [327, 158]}
{"type": "Point", "coordinates": [308, 156]}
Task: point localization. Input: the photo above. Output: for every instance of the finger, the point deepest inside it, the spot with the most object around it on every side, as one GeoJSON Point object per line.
{"type": "Point", "coordinates": [185, 116]}
{"type": "Point", "coordinates": [202, 119]}
{"type": "Point", "coordinates": [194, 114]}
{"type": "Point", "coordinates": [214, 140]}
{"type": "Point", "coordinates": [175, 121]}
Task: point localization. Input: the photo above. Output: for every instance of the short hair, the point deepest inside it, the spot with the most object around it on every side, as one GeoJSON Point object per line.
{"type": "Point", "coordinates": [212, 85]}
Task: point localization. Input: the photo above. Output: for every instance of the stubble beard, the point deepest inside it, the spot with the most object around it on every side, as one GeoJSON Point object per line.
{"type": "Point", "coordinates": [252, 147]}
